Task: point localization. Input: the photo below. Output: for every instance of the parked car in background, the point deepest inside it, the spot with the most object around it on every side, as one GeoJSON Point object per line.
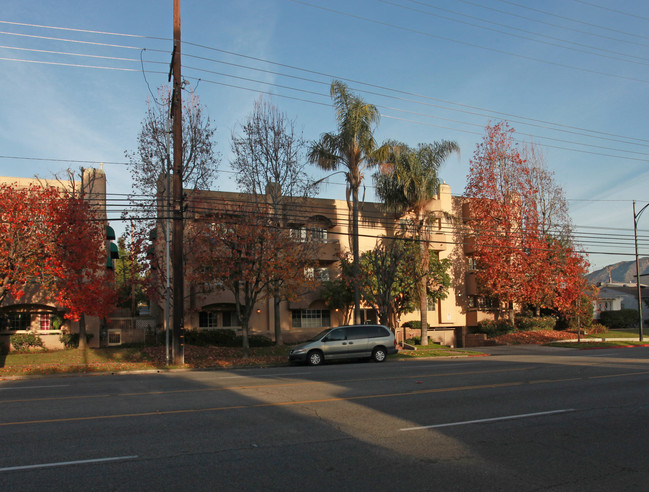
{"type": "Point", "coordinates": [375, 342]}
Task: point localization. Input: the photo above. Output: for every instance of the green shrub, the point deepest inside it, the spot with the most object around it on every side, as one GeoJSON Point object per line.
{"type": "Point", "coordinates": [69, 340]}
{"type": "Point", "coordinates": [524, 323]}
{"type": "Point", "coordinates": [494, 328]}
{"type": "Point", "coordinates": [223, 338]}
{"type": "Point", "coordinates": [25, 341]}
{"type": "Point", "coordinates": [414, 325]}
{"type": "Point", "coordinates": [255, 341]}
{"type": "Point", "coordinates": [595, 329]}
{"type": "Point", "coordinates": [624, 318]}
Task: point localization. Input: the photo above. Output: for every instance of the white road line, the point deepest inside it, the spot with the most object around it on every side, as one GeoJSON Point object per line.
{"type": "Point", "coordinates": [35, 387]}
{"type": "Point", "coordinates": [509, 417]}
{"type": "Point", "coordinates": [67, 463]}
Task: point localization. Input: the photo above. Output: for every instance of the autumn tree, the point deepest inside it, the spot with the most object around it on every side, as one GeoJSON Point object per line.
{"type": "Point", "coordinates": [270, 166]}
{"type": "Point", "coordinates": [407, 185]}
{"type": "Point", "coordinates": [505, 218]}
{"type": "Point", "coordinates": [82, 282]}
{"type": "Point", "coordinates": [524, 250]}
{"type": "Point", "coordinates": [54, 239]}
{"type": "Point", "coordinates": [239, 248]}
{"type": "Point", "coordinates": [25, 228]}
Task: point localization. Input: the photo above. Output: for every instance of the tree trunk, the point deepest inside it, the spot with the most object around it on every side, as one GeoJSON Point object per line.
{"type": "Point", "coordinates": [278, 327]}
{"type": "Point", "coordinates": [423, 290]}
{"type": "Point", "coordinates": [356, 256]}
{"type": "Point", "coordinates": [83, 339]}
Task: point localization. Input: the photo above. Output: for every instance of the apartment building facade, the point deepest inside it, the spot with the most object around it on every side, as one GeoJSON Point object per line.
{"type": "Point", "coordinates": [327, 222]}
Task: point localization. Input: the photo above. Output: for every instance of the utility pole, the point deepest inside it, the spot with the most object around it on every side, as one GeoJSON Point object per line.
{"type": "Point", "coordinates": [177, 239]}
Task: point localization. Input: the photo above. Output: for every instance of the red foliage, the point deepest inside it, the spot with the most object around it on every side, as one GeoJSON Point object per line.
{"type": "Point", "coordinates": [25, 229]}
{"type": "Point", "coordinates": [52, 239]}
{"type": "Point", "coordinates": [517, 261]}
{"type": "Point", "coordinates": [534, 337]}
{"type": "Point", "coordinates": [83, 283]}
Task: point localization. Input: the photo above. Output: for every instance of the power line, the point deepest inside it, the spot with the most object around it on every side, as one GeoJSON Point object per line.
{"type": "Point", "coordinates": [566, 44]}
{"type": "Point", "coordinates": [466, 43]}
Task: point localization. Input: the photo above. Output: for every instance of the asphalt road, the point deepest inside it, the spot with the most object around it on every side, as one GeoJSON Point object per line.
{"type": "Point", "coordinates": [522, 419]}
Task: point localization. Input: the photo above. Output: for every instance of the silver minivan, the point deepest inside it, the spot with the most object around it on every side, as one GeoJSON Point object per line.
{"type": "Point", "coordinates": [346, 342]}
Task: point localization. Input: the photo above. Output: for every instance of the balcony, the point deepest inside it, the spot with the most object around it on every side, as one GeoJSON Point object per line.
{"type": "Point", "coordinates": [328, 250]}
{"type": "Point", "coordinates": [438, 241]}
{"type": "Point", "coordinates": [469, 245]}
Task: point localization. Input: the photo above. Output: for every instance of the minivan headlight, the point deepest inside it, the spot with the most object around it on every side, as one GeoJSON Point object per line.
{"type": "Point", "coordinates": [298, 351]}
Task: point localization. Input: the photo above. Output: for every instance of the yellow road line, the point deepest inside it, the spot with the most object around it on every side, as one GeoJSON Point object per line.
{"type": "Point", "coordinates": [256, 386]}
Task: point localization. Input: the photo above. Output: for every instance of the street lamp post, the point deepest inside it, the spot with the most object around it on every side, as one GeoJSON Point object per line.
{"type": "Point", "coordinates": [636, 216]}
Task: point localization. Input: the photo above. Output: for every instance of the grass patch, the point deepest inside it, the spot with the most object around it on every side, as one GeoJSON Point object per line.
{"type": "Point", "coordinates": [432, 351]}
{"type": "Point", "coordinates": [592, 345]}
{"type": "Point", "coordinates": [117, 359]}
{"type": "Point", "coordinates": [138, 358]}
{"type": "Point", "coordinates": [627, 333]}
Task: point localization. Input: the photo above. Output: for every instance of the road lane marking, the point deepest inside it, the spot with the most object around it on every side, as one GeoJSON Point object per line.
{"type": "Point", "coordinates": [67, 463]}
{"type": "Point", "coordinates": [495, 419]}
{"type": "Point", "coordinates": [260, 405]}
{"type": "Point", "coordinates": [259, 386]}
{"type": "Point", "coordinates": [304, 402]}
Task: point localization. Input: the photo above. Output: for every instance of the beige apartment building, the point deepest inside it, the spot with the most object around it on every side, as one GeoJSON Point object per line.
{"type": "Point", "coordinates": [328, 222]}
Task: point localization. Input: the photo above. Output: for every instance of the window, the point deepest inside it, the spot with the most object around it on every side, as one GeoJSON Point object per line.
{"type": "Point", "coordinates": [114, 336]}
{"type": "Point", "coordinates": [480, 302]}
{"type": "Point", "coordinates": [318, 234]}
{"type": "Point", "coordinates": [473, 264]}
{"type": "Point", "coordinates": [311, 318]}
{"type": "Point", "coordinates": [44, 322]}
{"type": "Point", "coordinates": [319, 273]}
{"type": "Point", "coordinates": [299, 234]}
{"type": "Point", "coordinates": [207, 319]}
{"type": "Point", "coordinates": [14, 321]}
{"type": "Point", "coordinates": [303, 234]}
{"type": "Point", "coordinates": [337, 335]}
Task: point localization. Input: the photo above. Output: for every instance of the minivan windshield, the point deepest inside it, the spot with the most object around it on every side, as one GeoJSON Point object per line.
{"type": "Point", "coordinates": [319, 335]}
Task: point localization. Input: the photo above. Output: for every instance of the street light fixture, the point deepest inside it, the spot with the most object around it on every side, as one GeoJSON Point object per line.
{"type": "Point", "coordinates": [636, 216]}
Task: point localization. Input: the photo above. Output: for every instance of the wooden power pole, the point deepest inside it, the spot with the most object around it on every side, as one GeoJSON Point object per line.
{"type": "Point", "coordinates": [177, 237]}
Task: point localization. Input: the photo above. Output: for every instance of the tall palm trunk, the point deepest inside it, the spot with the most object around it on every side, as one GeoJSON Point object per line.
{"type": "Point", "coordinates": [423, 290]}
{"type": "Point", "coordinates": [356, 256]}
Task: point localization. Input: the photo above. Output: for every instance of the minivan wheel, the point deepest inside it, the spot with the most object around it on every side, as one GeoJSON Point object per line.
{"type": "Point", "coordinates": [314, 358]}
{"type": "Point", "coordinates": [379, 354]}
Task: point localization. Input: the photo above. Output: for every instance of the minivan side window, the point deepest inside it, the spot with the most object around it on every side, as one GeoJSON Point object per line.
{"type": "Point", "coordinates": [379, 331]}
{"type": "Point", "coordinates": [358, 332]}
{"type": "Point", "coordinates": [337, 335]}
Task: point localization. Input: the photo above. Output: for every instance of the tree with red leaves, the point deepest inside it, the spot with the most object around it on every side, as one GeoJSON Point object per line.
{"type": "Point", "coordinates": [503, 210]}
{"type": "Point", "coordinates": [82, 282]}
{"type": "Point", "coordinates": [241, 249]}
{"type": "Point", "coordinates": [26, 243]}
{"type": "Point", "coordinates": [54, 239]}
{"type": "Point", "coordinates": [521, 260]}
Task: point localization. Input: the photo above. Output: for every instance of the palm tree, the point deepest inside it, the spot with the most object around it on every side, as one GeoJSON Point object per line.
{"type": "Point", "coordinates": [407, 186]}
{"type": "Point", "coordinates": [353, 147]}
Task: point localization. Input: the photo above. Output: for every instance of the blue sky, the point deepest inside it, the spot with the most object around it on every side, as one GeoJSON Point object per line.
{"type": "Point", "coordinates": [570, 75]}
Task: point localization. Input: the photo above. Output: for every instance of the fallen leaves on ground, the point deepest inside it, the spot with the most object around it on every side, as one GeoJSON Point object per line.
{"type": "Point", "coordinates": [204, 357]}
{"type": "Point", "coordinates": [534, 337]}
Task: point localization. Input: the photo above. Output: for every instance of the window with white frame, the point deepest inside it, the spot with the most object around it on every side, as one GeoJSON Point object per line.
{"type": "Point", "coordinates": [311, 318]}
{"type": "Point", "coordinates": [45, 321]}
